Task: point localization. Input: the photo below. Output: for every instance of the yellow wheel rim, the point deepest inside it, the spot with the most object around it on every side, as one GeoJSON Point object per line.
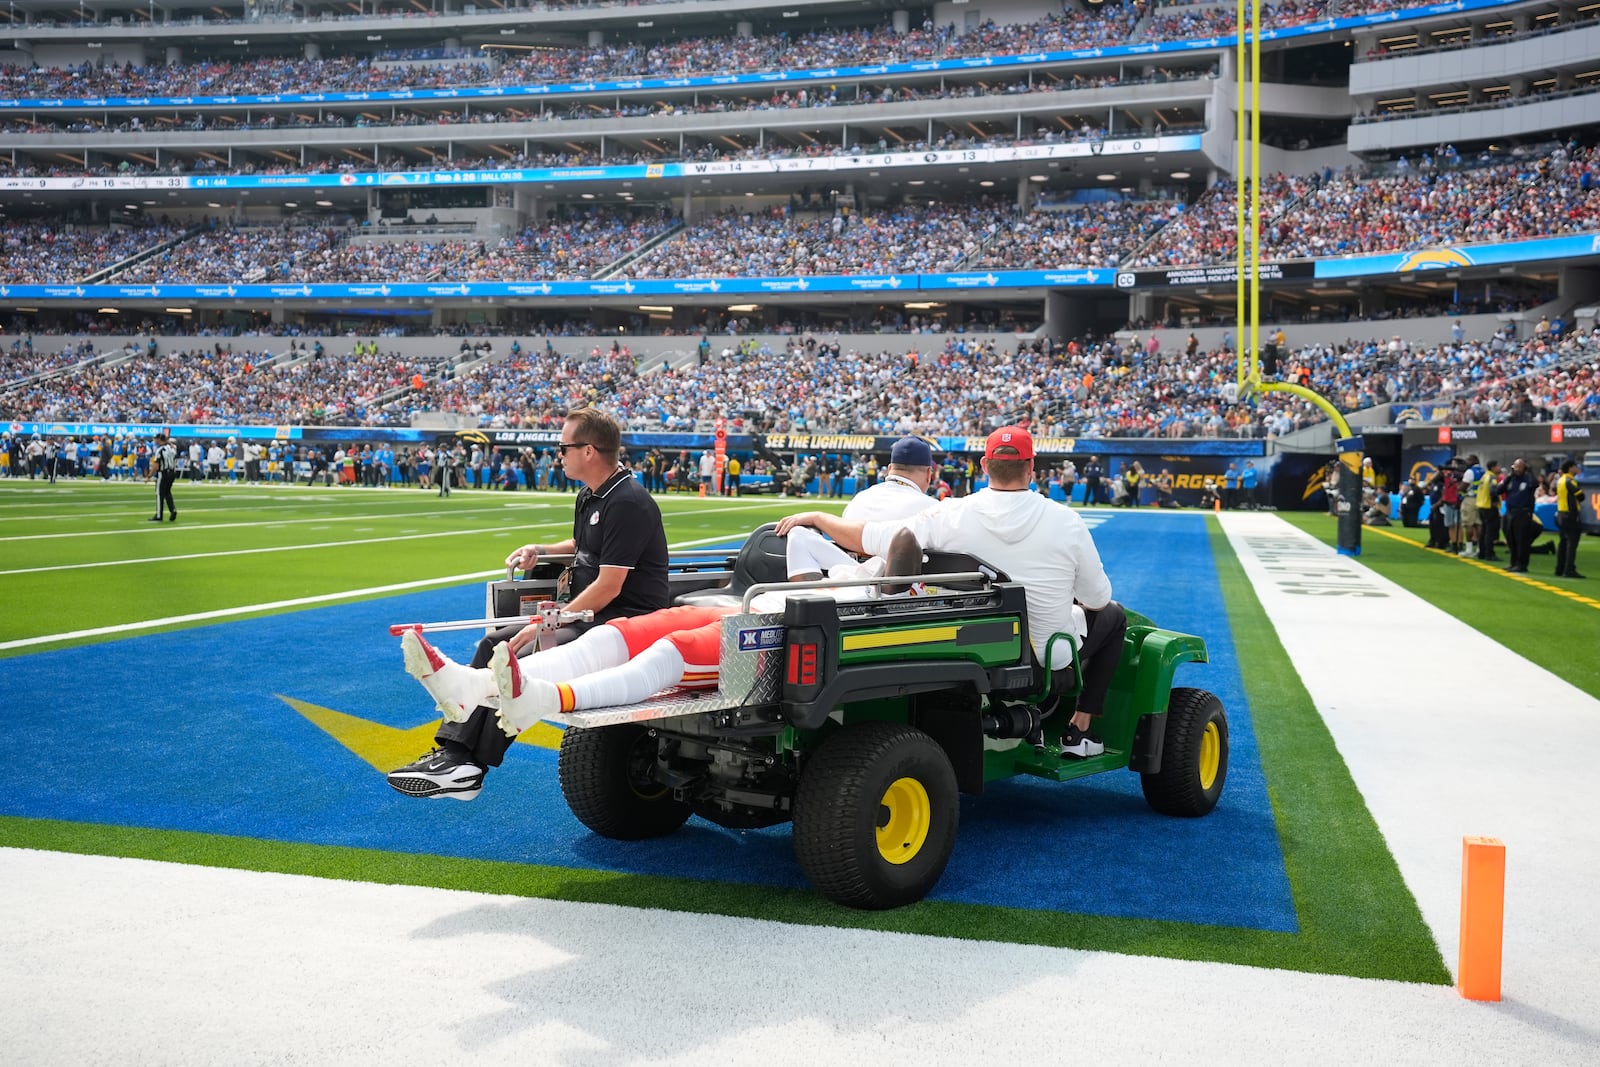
{"type": "Point", "coordinates": [904, 815]}
{"type": "Point", "coordinates": [1210, 755]}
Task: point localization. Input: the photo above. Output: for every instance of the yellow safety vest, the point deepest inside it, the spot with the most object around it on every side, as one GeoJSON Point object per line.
{"type": "Point", "coordinates": [1486, 490]}
{"type": "Point", "coordinates": [1566, 494]}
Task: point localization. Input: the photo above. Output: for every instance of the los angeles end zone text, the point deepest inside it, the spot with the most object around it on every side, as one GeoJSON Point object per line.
{"type": "Point", "coordinates": [861, 723]}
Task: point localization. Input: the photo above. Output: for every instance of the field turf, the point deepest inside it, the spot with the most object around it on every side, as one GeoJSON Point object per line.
{"type": "Point", "coordinates": [83, 567]}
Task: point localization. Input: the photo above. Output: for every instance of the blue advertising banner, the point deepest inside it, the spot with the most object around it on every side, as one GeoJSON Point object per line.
{"type": "Point", "coordinates": [150, 429]}
{"type": "Point", "coordinates": [1456, 256]}
{"type": "Point", "coordinates": [630, 287]}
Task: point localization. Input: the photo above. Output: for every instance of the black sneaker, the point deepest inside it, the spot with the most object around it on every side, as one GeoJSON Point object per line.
{"type": "Point", "coordinates": [154, 518]}
{"type": "Point", "coordinates": [441, 773]}
{"type": "Point", "coordinates": [1571, 574]}
{"type": "Point", "coordinates": [1080, 743]}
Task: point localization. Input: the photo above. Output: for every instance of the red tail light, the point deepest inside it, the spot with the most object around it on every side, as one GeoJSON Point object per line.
{"type": "Point", "coordinates": [802, 664]}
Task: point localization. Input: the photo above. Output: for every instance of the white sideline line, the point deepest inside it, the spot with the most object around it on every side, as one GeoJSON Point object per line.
{"type": "Point", "coordinates": [250, 609]}
{"type": "Point", "coordinates": [1462, 737]}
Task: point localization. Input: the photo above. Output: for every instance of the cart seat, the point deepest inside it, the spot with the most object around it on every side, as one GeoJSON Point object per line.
{"type": "Point", "coordinates": [762, 559]}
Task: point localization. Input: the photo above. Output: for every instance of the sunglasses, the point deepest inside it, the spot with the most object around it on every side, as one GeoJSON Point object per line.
{"type": "Point", "coordinates": [562, 449]}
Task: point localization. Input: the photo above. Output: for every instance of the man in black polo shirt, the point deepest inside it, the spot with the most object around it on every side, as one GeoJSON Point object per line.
{"type": "Point", "coordinates": [619, 569]}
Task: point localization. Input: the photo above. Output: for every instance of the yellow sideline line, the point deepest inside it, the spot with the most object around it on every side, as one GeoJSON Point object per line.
{"type": "Point", "coordinates": [1561, 591]}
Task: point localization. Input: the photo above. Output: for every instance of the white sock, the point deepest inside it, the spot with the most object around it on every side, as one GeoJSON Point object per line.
{"type": "Point", "coordinates": [597, 649]}
{"type": "Point", "coordinates": [456, 689]}
{"type": "Point", "coordinates": [651, 671]}
{"type": "Point", "coordinates": [460, 685]}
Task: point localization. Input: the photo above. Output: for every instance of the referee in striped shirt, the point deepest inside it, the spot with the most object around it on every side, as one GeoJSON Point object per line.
{"type": "Point", "coordinates": [166, 473]}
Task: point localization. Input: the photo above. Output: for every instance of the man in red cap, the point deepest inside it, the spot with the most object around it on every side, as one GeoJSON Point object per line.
{"type": "Point", "coordinates": [1034, 541]}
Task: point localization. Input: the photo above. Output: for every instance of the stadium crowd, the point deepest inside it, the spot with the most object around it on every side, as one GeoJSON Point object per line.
{"type": "Point", "coordinates": [479, 113]}
{"type": "Point", "coordinates": [219, 384]}
{"type": "Point", "coordinates": [1441, 201]}
{"type": "Point", "coordinates": [1091, 235]}
{"type": "Point", "coordinates": [1183, 22]}
{"type": "Point", "coordinates": [1072, 28]}
{"type": "Point", "coordinates": [576, 246]}
{"type": "Point", "coordinates": [44, 254]}
{"type": "Point", "coordinates": [907, 238]}
{"type": "Point", "coordinates": [957, 385]}
{"type": "Point", "coordinates": [820, 49]}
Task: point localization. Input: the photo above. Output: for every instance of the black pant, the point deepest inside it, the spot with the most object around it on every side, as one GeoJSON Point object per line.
{"type": "Point", "coordinates": [1098, 656]}
{"type": "Point", "coordinates": [1570, 524]}
{"type": "Point", "coordinates": [164, 482]}
{"type": "Point", "coordinates": [1490, 517]}
{"type": "Point", "coordinates": [481, 735]}
{"type": "Point", "coordinates": [1519, 536]}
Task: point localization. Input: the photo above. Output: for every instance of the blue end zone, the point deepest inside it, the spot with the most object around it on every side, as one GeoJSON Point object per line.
{"type": "Point", "coordinates": [182, 731]}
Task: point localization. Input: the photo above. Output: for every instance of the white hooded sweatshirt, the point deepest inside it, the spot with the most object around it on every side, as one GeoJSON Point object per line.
{"type": "Point", "coordinates": [1035, 541]}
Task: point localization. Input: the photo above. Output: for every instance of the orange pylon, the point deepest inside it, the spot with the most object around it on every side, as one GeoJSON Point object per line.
{"type": "Point", "coordinates": [1483, 902]}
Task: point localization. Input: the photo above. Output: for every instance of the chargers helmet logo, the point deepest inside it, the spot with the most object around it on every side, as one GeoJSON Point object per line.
{"type": "Point", "coordinates": [1433, 259]}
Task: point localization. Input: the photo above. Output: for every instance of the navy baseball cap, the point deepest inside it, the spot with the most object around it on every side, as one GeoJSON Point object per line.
{"type": "Point", "coordinates": [911, 452]}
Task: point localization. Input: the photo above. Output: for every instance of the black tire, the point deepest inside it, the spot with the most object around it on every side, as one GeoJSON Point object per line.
{"type": "Point", "coordinates": [604, 775]}
{"type": "Point", "coordinates": [1194, 756]}
{"type": "Point", "coordinates": [863, 777]}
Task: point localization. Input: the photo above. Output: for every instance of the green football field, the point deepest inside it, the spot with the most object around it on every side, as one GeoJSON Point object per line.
{"type": "Point", "coordinates": [83, 566]}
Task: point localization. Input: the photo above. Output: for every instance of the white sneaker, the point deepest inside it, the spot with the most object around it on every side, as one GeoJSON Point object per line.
{"type": "Point", "coordinates": [523, 701]}
{"type": "Point", "coordinates": [455, 689]}
{"type": "Point", "coordinates": [1470, 551]}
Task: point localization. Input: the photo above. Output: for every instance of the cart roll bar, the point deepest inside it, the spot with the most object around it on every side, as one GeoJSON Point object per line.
{"type": "Point", "coordinates": [547, 618]}
{"type": "Point", "coordinates": [887, 579]}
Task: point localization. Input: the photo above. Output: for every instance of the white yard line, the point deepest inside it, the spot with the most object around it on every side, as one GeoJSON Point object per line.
{"type": "Point", "coordinates": [515, 505]}
{"type": "Point", "coordinates": [248, 609]}
{"type": "Point", "coordinates": [133, 513]}
{"type": "Point", "coordinates": [1450, 734]}
{"type": "Point", "coordinates": [275, 548]}
{"type": "Point", "coordinates": [276, 605]}
{"type": "Point", "coordinates": [150, 529]}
